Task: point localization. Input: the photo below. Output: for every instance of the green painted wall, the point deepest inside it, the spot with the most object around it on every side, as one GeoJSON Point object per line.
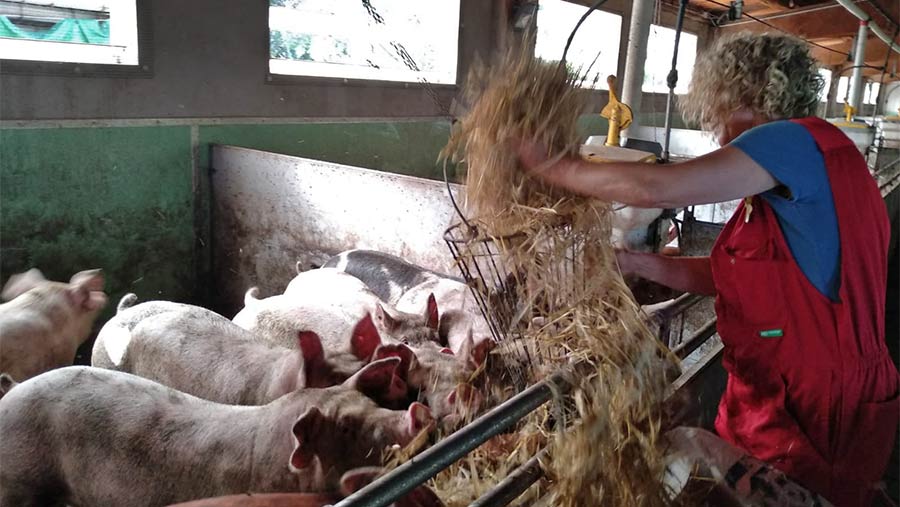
{"type": "Point", "coordinates": [113, 198]}
{"type": "Point", "coordinates": [404, 147]}
{"type": "Point", "coordinates": [122, 199]}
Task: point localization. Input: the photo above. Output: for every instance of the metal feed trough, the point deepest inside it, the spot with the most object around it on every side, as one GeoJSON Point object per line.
{"type": "Point", "coordinates": [270, 210]}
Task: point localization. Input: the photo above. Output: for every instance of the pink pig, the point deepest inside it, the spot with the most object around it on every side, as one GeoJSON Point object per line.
{"type": "Point", "coordinates": [199, 352]}
{"type": "Point", "coordinates": [90, 436]}
{"type": "Point", "coordinates": [44, 322]}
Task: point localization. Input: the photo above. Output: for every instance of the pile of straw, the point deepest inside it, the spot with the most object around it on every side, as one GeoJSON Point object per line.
{"type": "Point", "coordinates": [570, 302]}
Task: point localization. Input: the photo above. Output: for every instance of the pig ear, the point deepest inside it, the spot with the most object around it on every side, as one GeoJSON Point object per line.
{"type": "Point", "coordinates": [307, 430]}
{"type": "Point", "coordinates": [80, 297]}
{"type": "Point", "coordinates": [466, 396]}
{"type": "Point", "coordinates": [419, 418]}
{"type": "Point", "coordinates": [96, 301]}
{"type": "Point", "coordinates": [365, 338]}
{"type": "Point", "coordinates": [481, 351]}
{"type": "Point", "coordinates": [379, 381]}
{"type": "Point", "coordinates": [355, 479]}
{"type": "Point", "coordinates": [91, 279]}
{"type": "Point", "coordinates": [22, 283]}
{"type": "Point", "coordinates": [474, 354]}
{"type": "Point", "coordinates": [311, 347]}
{"type": "Point", "coordinates": [432, 319]}
{"type": "Point", "coordinates": [385, 318]}
{"type": "Point", "coordinates": [406, 355]}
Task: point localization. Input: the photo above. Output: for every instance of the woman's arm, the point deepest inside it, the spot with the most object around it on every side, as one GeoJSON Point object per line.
{"type": "Point", "coordinates": [688, 274]}
{"type": "Point", "coordinates": [723, 175]}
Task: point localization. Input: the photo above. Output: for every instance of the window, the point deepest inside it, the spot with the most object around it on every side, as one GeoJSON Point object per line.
{"type": "Point", "coordinates": [595, 48]}
{"type": "Point", "coordinates": [73, 31]}
{"type": "Point", "coordinates": [871, 93]}
{"type": "Point", "coordinates": [843, 85]}
{"type": "Point", "coordinates": [826, 77]}
{"type": "Point", "coordinates": [659, 60]}
{"type": "Point", "coordinates": [388, 40]}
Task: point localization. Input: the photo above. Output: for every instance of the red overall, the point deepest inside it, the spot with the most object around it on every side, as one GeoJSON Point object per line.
{"type": "Point", "coordinates": [811, 386]}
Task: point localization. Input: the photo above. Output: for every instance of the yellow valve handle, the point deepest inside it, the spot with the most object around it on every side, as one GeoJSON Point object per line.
{"type": "Point", "coordinates": [618, 114]}
{"type": "Point", "coordinates": [849, 111]}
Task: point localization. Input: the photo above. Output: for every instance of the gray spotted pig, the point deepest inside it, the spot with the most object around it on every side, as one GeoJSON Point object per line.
{"type": "Point", "coordinates": [44, 322]}
{"type": "Point", "coordinates": [199, 352]}
{"type": "Point", "coordinates": [93, 437]}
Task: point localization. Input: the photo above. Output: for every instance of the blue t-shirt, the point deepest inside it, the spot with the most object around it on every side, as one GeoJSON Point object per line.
{"type": "Point", "coordinates": [807, 217]}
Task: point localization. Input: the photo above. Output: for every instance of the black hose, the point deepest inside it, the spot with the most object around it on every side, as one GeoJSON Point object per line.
{"type": "Point", "coordinates": [577, 26]}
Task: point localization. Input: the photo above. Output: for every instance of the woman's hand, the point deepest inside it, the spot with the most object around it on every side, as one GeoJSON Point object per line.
{"type": "Point", "coordinates": [532, 155]}
{"type": "Point", "coordinates": [535, 160]}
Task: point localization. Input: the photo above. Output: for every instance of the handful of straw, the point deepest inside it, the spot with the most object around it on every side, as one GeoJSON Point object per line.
{"type": "Point", "coordinates": [572, 305]}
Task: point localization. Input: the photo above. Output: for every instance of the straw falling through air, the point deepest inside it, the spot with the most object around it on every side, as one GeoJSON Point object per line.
{"type": "Point", "coordinates": [570, 307]}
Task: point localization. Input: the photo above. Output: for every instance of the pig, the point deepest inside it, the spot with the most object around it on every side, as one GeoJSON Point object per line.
{"type": "Point", "coordinates": [347, 337]}
{"type": "Point", "coordinates": [90, 436]}
{"type": "Point", "coordinates": [330, 285]}
{"type": "Point", "coordinates": [44, 322]}
{"type": "Point", "coordinates": [199, 352]}
{"type": "Point", "coordinates": [441, 377]}
{"type": "Point", "coordinates": [429, 369]}
{"type": "Point", "coordinates": [408, 287]}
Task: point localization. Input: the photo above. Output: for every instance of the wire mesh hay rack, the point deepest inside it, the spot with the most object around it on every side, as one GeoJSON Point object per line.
{"type": "Point", "coordinates": [496, 268]}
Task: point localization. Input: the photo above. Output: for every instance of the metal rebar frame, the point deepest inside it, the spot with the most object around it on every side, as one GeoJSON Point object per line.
{"type": "Point", "coordinates": [685, 348]}
{"type": "Point", "coordinates": [514, 484]}
{"type": "Point", "coordinates": [672, 79]}
{"type": "Point", "coordinates": [426, 465]}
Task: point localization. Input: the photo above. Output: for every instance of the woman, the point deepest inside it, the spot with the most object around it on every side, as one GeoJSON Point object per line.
{"type": "Point", "coordinates": [799, 272]}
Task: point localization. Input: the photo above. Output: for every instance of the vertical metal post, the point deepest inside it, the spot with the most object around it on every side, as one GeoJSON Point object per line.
{"type": "Point", "coordinates": [636, 56]}
{"type": "Point", "coordinates": [831, 98]}
{"type": "Point", "coordinates": [672, 79]}
{"type": "Point", "coordinates": [859, 60]}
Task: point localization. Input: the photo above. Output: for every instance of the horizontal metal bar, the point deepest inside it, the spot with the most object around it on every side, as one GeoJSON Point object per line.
{"type": "Point", "coordinates": [693, 373]}
{"type": "Point", "coordinates": [426, 465]}
{"type": "Point", "coordinates": [685, 348]}
{"type": "Point", "coordinates": [664, 312]}
{"type": "Point", "coordinates": [514, 484]}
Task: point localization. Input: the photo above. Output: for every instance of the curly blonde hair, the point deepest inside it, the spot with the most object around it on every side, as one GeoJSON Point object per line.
{"type": "Point", "coordinates": [772, 74]}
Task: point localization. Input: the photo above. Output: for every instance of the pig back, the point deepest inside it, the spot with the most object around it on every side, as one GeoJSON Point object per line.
{"type": "Point", "coordinates": [88, 436]}
{"type": "Point", "coordinates": [388, 276]}
{"type": "Point", "coordinates": [198, 352]}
